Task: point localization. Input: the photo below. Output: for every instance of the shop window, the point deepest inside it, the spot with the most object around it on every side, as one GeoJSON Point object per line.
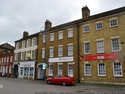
{"type": "Point", "coordinates": [87, 70]}
{"type": "Point", "coordinates": [60, 70]}
{"type": "Point", "coordinates": [70, 70]}
{"type": "Point", "coordinates": [31, 71]}
{"type": "Point", "coordinates": [21, 70]}
{"type": "Point", "coordinates": [117, 68]}
{"type": "Point", "coordinates": [101, 69]}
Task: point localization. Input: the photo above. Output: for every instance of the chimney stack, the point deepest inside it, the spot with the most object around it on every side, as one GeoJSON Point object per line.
{"type": "Point", "coordinates": [48, 25]}
{"type": "Point", "coordinates": [25, 34]}
{"type": "Point", "coordinates": [85, 12]}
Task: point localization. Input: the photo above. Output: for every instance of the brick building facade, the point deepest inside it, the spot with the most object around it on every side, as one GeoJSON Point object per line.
{"type": "Point", "coordinates": [102, 45]}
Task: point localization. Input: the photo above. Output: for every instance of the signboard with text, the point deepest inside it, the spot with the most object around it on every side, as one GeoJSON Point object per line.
{"type": "Point", "coordinates": [61, 59]}
{"type": "Point", "coordinates": [102, 57]}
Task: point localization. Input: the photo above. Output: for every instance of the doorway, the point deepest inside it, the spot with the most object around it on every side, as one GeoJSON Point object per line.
{"type": "Point", "coordinates": [40, 72]}
{"type": "Point", "coordinates": [16, 71]}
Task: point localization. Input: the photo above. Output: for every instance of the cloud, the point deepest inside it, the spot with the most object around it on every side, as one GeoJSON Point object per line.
{"type": "Point", "coordinates": [17, 16]}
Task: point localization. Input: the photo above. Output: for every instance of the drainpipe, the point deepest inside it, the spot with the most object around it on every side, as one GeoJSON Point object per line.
{"type": "Point", "coordinates": [78, 41]}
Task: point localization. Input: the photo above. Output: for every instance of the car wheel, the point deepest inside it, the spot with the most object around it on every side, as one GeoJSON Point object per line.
{"type": "Point", "coordinates": [64, 83]}
{"type": "Point", "coordinates": [48, 82]}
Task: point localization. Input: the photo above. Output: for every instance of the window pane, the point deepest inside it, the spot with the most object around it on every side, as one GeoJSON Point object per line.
{"type": "Point", "coordinates": [100, 46]}
{"type": "Point", "coordinates": [101, 69]}
{"type": "Point", "coordinates": [87, 48]}
{"type": "Point", "coordinates": [87, 69]}
{"type": "Point", "coordinates": [115, 45]}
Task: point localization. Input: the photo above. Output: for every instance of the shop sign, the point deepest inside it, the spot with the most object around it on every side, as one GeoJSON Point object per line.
{"type": "Point", "coordinates": [102, 57]}
{"type": "Point", "coordinates": [61, 59]}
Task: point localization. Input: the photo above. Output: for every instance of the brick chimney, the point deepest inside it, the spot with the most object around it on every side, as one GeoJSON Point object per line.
{"type": "Point", "coordinates": [25, 34]}
{"type": "Point", "coordinates": [48, 25]}
{"type": "Point", "coordinates": [85, 12]}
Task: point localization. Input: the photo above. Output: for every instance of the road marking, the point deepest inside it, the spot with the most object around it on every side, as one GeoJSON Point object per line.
{"type": "Point", "coordinates": [1, 86]}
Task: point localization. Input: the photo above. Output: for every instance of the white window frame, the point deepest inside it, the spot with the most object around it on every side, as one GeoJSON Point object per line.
{"type": "Point", "coordinates": [10, 68]}
{"type": "Point", "coordinates": [6, 69]}
{"type": "Point", "coordinates": [99, 26]}
{"type": "Point", "coordinates": [43, 52]}
{"type": "Point", "coordinates": [22, 55]}
{"type": "Point", "coordinates": [118, 67]}
{"type": "Point", "coordinates": [28, 55]}
{"type": "Point", "coordinates": [101, 69]}
{"type": "Point", "coordinates": [28, 43]}
{"type": "Point", "coordinates": [70, 33]}
{"type": "Point", "coordinates": [60, 50]}
{"type": "Point", "coordinates": [100, 46]}
{"type": "Point", "coordinates": [11, 58]}
{"type": "Point", "coordinates": [17, 45]}
{"type": "Point", "coordinates": [117, 44]}
{"type": "Point", "coordinates": [16, 56]}
{"type": "Point", "coordinates": [60, 69]}
{"type": "Point", "coordinates": [87, 48]}
{"type": "Point", "coordinates": [32, 54]}
{"type": "Point", "coordinates": [86, 28]}
{"type": "Point", "coordinates": [7, 59]}
{"type": "Point", "coordinates": [44, 38]}
{"type": "Point", "coordinates": [51, 36]}
{"type": "Point", "coordinates": [50, 70]}
{"type": "Point", "coordinates": [113, 22]}
{"type": "Point", "coordinates": [70, 49]}
{"type": "Point", "coordinates": [70, 69]}
{"type": "Point", "coordinates": [23, 44]}
{"type": "Point", "coordinates": [51, 52]}
{"type": "Point", "coordinates": [60, 35]}
{"type": "Point", "coordinates": [34, 41]}
{"type": "Point", "coordinates": [4, 59]}
{"type": "Point", "coordinates": [87, 69]}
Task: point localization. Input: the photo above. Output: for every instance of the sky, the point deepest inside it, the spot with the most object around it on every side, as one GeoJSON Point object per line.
{"type": "Point", "coordinates": [17, 16]}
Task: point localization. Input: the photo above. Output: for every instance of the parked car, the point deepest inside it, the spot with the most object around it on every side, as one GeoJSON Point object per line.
{"type": "Point", "coordinates": [61, 79]}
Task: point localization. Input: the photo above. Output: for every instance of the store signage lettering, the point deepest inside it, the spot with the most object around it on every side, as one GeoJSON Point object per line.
{"type": "Point", "coordinates": [102, 57]}
{"type": "Point", "coordinates": [61, 59]}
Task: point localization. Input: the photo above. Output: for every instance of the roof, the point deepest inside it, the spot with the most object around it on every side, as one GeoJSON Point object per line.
{"type": "Point", "coordinates": [29, 36]}
{"type": "Point", "coordinates": [93, 17]}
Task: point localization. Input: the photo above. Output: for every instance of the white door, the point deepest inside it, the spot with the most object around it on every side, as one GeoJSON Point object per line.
{"type": "Point", "coordinates": [40, 72]}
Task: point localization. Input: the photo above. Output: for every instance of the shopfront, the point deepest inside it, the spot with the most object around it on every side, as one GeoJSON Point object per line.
{"type": "Point", "coordinates": [61, 65]}
{"type": "Point", "coordinates": [27, 69]}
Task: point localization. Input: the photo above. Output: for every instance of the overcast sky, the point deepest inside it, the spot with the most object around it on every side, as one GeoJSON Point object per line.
{"type": "Point", "coordinates": [17, 16]}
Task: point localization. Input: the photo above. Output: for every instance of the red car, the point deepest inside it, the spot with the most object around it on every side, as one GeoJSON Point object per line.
{"type": "Point", "coordinates": [61, 79]}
